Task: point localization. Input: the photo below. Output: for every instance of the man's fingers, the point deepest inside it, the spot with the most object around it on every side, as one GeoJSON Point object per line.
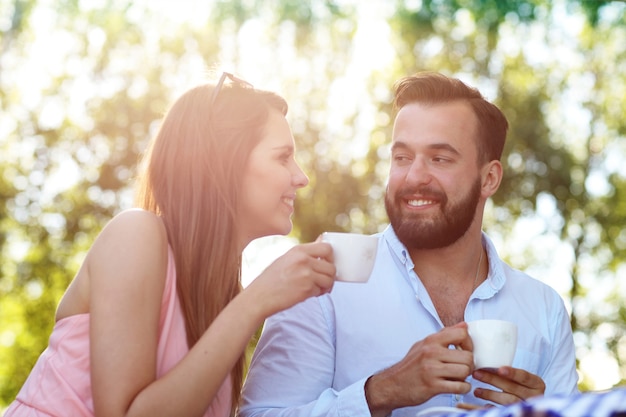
{"type": "Point", "coordinates": [456, 335]}
{"type": "Point", "coordinates": [522, 377]}
{"type": "Point", "coordinates": [466, 344]}
{"type": "Point", "coordinates": [516, 384]}
{"type": "Point", "coordinates": [502, 398]}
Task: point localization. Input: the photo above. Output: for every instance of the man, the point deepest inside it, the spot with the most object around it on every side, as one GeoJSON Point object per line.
{"type": "Point", "coordinates": [399, 343]}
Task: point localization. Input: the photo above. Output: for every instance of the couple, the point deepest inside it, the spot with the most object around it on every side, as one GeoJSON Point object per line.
{"type": "Point", "coordinates": [156, 323]}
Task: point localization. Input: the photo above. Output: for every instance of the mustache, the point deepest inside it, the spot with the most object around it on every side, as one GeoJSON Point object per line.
{"type": "Point", "coordinates": [426, 192]}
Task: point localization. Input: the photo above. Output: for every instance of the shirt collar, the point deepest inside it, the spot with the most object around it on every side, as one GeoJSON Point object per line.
{"type": "Point", "coordinates": [495, 279]}
{"type": "Point", "coordinates": [397, 247]}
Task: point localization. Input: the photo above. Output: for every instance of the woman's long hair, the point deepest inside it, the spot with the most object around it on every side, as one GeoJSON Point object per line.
{"type": "Point", "coordinates": [192, 178]}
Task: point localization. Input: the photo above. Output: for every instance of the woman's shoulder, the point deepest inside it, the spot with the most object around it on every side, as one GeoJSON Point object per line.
{"type": "Point", "coordinates": [136, 224]}
{"type": "Point", "coordinates": [134, 240]}
{"type": "Point", "coordinates": [136, 217]}
{"type": "Point", "coordinates": [131, 233]}
{"type": "Point", "coordinates": [129, 253]}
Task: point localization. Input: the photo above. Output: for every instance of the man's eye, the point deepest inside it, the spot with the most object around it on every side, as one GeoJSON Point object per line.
{"type": "Point", "coordinates": [400, 158]}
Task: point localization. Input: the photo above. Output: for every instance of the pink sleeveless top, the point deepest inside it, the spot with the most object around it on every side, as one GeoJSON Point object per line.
{"type": "Point", "coordinates": [60, 383]}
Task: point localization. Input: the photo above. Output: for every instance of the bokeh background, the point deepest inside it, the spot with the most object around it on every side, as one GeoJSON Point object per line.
{"type": "Point", "coordinates": [84, 84]}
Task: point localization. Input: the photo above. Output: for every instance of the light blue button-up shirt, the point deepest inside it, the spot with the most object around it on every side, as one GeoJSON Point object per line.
{"type": "Point", "coordinates": [314, 358]}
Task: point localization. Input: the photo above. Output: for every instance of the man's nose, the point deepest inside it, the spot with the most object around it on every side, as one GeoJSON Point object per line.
{"type": "Point", "coordinates": [418, 173]}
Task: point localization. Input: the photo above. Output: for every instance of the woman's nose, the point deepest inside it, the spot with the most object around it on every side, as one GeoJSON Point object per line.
{"type": "Point", "coordinates": [299, 178]}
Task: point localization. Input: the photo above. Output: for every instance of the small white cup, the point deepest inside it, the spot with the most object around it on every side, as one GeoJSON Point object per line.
{"type": "Point", "coordinates": [354, 255]}
{"type": "Point", "coordinates": [494, 342]}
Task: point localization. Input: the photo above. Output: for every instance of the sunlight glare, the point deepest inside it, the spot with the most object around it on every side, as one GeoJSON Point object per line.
{"type": "Point", "coordinates": [601, 368]}
{"type": "Point", "coordinates": [348, 95]}
{"type": "Point", "coordinates": [260, 253]}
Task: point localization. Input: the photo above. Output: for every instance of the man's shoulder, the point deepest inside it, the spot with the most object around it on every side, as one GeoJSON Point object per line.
{"type": "Point", "coordinates": [529, 289]}
{"type": "Point", "coordinates": [514, 277]}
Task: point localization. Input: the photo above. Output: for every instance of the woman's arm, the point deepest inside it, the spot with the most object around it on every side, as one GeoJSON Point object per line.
{"type": "Point", "coordinates": [127, 266]}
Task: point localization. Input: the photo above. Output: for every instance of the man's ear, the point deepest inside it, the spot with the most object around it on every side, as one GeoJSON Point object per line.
{"type": "Point", "coordinates": [491, 177]}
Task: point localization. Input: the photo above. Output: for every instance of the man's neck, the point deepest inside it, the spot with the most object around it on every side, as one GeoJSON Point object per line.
{"type": "Point", "coordinates": [451, 275]}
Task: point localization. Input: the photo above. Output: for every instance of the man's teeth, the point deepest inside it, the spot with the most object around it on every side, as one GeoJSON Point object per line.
{"type": "Point", "coordinates": [288, 201]}
{"type": "Point", "coordinates": [418, 203]}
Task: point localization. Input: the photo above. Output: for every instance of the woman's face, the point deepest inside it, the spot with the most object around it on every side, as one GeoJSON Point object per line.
{"type": "Point", "coordinates": [270, 181]}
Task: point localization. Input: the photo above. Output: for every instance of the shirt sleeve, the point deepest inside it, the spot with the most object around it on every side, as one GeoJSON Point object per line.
{"type": "Point", "coordinates": [292, 369]}
{"type": "Point", "coordinates": [560, 375]}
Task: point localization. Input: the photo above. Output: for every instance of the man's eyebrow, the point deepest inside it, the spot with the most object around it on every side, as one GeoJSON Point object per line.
{"type": "Point", "coordinates": [399, 145]}
{"type": "Point", "coordinates": [444, 147]}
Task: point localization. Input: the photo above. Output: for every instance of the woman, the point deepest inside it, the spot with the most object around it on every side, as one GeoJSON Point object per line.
{"type": "Point", "coordinates": [155, 323]}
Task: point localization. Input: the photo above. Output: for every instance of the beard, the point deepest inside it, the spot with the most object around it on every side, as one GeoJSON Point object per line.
{"type": "Point", "coordinates": [416, 231]}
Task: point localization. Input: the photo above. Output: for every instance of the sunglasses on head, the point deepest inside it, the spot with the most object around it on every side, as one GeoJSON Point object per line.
{"type": "Point", "coordinates": [220, 83]}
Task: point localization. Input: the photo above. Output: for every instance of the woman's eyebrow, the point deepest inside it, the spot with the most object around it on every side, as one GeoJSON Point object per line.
{"type": "Point", "coordinates": [287, 148]}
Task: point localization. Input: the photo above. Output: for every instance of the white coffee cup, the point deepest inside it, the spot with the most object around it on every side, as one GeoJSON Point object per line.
{"type": "Point", "coordinates": [354, 255]}
{"type": "Point", "coordinates": [494, 342]}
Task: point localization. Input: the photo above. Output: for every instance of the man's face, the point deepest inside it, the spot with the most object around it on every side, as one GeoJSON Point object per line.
{"type": "Point", "coordinates": [434, 182]}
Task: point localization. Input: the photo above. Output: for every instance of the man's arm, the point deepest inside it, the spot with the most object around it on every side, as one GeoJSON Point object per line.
{"type": "Point", "coordinates": [292, 370]}
{"type": "Point", "coordinates": [428, 369]}
{"type": "Point", "coordinates": [560, 375]}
